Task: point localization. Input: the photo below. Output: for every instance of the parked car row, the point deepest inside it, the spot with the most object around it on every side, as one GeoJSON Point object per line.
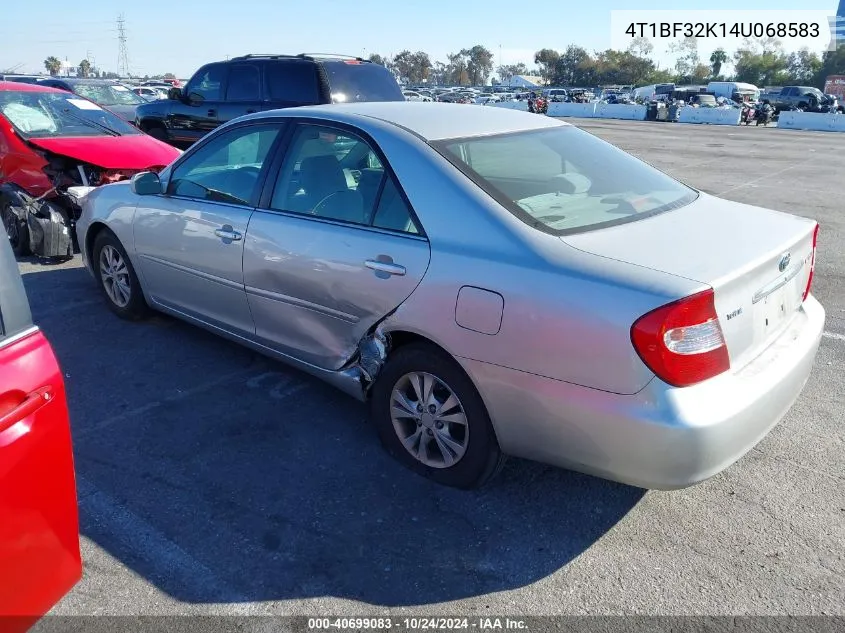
{"type": "Point", "coordinates": [66, 135]}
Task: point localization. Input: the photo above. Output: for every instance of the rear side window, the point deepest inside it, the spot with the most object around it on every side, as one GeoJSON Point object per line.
{"type": "Point", "coordinates": [352, 81]}
{"type": "Point", "coordinates": [244, 83]}
{"type": "Point", "coordinates": [14, 308]}
{"type": "Point", "coordinates": [293, 82]}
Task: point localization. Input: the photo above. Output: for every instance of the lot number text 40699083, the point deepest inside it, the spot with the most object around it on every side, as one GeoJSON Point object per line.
{"type": "Point", "coordinates": [416, 624]}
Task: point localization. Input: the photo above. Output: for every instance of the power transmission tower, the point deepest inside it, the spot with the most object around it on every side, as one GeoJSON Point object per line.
{"type": "Point", "coordinates": [123, 53]}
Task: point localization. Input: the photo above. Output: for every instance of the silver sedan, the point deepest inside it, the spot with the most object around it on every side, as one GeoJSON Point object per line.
{"type": "Point", "coordinates": [492, 282]}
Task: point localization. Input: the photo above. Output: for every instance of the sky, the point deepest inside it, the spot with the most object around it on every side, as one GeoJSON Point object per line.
{"type": "Point", "coordinates": [169, 36]}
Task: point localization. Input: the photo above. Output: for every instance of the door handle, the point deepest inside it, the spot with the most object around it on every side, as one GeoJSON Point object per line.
{"type": "Point", "coordinates": [228, 233]}
{"type": "Point", "coordinates": [212, 112]}
{"type": "Point", "coordinates": [30, 405]}
{"type": "Point", "coordinates": [385, 267]}
{"type": "Point", "coordinates": [250, 111]}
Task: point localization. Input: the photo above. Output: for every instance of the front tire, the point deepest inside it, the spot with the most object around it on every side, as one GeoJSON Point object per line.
{"type": "Point", "coordinates": [117, 278]}
{"type": "Point", "coordinates": [430, 417]}
{"type": "Point", "coordinates": [16, 230]}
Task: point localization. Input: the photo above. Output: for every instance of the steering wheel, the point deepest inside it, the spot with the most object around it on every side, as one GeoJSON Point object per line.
{"type": "Point", "coordinates": [322, 203]}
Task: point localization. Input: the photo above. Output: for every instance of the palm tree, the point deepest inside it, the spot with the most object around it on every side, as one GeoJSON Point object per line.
{"type": "Point", "coordinates": [53, 65]}
{"type": "Point", "coordinates": [84, 68]}
{"type": "Point", "coordinates": [717, 58]}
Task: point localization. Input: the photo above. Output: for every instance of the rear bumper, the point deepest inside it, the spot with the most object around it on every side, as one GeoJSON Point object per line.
{"type": "Point", "coordinates": [663, 437]}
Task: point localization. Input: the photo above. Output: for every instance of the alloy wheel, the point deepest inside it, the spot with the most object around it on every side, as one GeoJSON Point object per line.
{"type": "Point", "coordinates": [429, 420]}
{"type": "Point", "coordinates": [115, 276]}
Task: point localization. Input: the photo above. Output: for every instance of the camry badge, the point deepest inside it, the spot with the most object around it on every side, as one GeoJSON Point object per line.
{"type": "Point", "coordinates": [783, 264]}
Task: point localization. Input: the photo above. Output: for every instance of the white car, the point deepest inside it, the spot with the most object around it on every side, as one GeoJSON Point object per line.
{"type": "Point", "coordinates": [411, 95]}
{"type": "Point", "coordinates": [152, 93]}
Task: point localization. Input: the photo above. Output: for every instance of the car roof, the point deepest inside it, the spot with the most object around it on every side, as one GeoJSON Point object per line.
{"type": "Point", "coordinates": [17, 86]}
{"type": "Point", "coordinates": [431, 121]}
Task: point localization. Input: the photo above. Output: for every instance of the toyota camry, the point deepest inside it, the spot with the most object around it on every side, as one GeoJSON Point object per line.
{"type": "Point", "coordinates": [492, 282]}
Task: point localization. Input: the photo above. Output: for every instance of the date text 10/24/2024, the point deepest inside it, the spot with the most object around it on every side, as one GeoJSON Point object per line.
{"type": "Point", "coordinates": [723, 29]}
{"type": "Point", "coordinates": [416, 624]}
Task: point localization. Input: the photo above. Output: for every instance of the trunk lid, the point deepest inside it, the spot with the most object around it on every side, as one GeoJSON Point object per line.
{"type": "Point", "coordinates": [757, 261]}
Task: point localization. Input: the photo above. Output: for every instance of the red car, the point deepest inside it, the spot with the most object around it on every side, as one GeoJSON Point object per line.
{"type": "Point", "coordinates": [50, 142]}
{"type": "Point", "coordinates": [39, 524]}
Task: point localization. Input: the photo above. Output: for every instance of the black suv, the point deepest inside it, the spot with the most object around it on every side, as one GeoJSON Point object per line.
{"type": "Point", "coordinates": [222, 91]}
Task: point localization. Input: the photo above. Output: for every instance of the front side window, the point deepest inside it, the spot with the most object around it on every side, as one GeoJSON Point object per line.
{"type": "Point", "coordinates": [208, 82]}
{"type": "Point", "coordinates": [244, 84]}
{"type": "Point", "coordinates": [52, 114]}
{"type": "Point", "coordinates": [227, 168]}
{"type": "Point", "coordinates": [562, 180]}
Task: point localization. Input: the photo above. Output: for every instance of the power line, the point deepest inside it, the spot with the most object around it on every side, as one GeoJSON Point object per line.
{"type": "Point", "coordinates": [123, 52]}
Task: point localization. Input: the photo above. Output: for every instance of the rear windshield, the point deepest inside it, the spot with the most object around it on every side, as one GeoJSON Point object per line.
{"type": "Point", "coordinates": [357, 81]}
{"type": "Point", "coordinates": [563, 180]}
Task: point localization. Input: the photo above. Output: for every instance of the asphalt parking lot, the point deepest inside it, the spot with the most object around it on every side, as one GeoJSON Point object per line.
{"type": "Point", "coordinates": [212, 480]}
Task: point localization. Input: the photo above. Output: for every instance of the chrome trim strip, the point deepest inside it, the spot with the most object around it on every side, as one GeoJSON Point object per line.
{"type": "Point", "coordinates": [777, 284]}
{"type": "Point", "coordinates": [194, 272]}
{"type": "Point", "coordinates": [301, 303]}
{"type": "Point", "coordinates": [14, 338]}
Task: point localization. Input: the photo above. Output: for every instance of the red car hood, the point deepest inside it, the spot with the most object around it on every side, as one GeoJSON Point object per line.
{"type": "Point", "coordinates": [137, 151]}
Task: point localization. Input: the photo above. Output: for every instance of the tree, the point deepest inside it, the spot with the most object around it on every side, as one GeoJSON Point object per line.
{"type": "Point", "coordinates": [53, 65]}
{"type": "Point", "coordinates": [717, 60]}
{"type": "Point", "coordinates": [84, 69]}
{"type": "Point", "coordinates": [688, 61]}
{"type": "Point", "coordinates": [456, 73]}
{"type": "Point", "coordinates": [803, 67]}
{"type": "Point", "coordinates": [509, 71]}
{"type": "Point", "coordinates": [169, 76]}
{"type": "Point", "coordinates": [547, 59]}
{"type": "Point", "coordinates": [572, 67]}
{"type": "Point", "coordinates": [641, 47]}
{"type": "Point", "coordinates": [378, 59]}
{"type": "Point", "coordinates": [479, 64]}
{"type": "Point", "coordinates": [414, 68]}
{"type": "Point", "coordinates": [761, 68]}
{"type": "Point", "coordinates": [833, 63]}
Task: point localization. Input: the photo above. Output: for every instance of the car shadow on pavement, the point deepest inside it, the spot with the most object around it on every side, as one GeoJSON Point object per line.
{"type": "Point", "coordinates": [221, 476]}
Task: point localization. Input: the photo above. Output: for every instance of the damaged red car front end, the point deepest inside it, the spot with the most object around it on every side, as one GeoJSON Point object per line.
{"type": "Point", "coordinates": [51, 142]}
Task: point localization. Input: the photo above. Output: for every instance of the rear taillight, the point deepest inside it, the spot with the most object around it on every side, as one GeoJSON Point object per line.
{"type": "Point", "coordinates": [682, 341]}
{"type": "Point", "coordinates": [812, 263]}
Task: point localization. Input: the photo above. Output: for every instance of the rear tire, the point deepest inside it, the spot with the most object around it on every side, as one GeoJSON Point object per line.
{"type": "Point", "coordinates": [446, 436]}
{"type": "Point", "coordinates": [117, 278]}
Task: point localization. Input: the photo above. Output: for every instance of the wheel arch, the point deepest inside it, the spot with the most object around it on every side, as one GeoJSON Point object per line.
{"type": "Point", "coordinates": [400, 337]}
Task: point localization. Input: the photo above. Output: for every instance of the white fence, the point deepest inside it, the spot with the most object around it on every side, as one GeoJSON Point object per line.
{"type": "Point", "coordinates": [812, 121]}
{"type": "Point", "coordinates": [713, 116]}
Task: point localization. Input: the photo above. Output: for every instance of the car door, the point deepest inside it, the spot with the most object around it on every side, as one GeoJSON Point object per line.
{"type": "Point", "coordinates": [197, 113]}
{"type": "Point", "coordinates": [333, 248]}
{"type": "Point", "coordinates": [39, 526]}
{"type": "Point", "coordinates": [243, 92]}
{"type": "Point", "coordinates": [189, 241]}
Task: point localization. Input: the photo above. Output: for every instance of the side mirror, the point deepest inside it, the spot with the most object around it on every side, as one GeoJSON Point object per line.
{"type": "Point", "coordinates": [175, 94]}
{"type": "Point", "coordinates": [145, 184]}
{"type": "Point", "coordinates": [195, 98]}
